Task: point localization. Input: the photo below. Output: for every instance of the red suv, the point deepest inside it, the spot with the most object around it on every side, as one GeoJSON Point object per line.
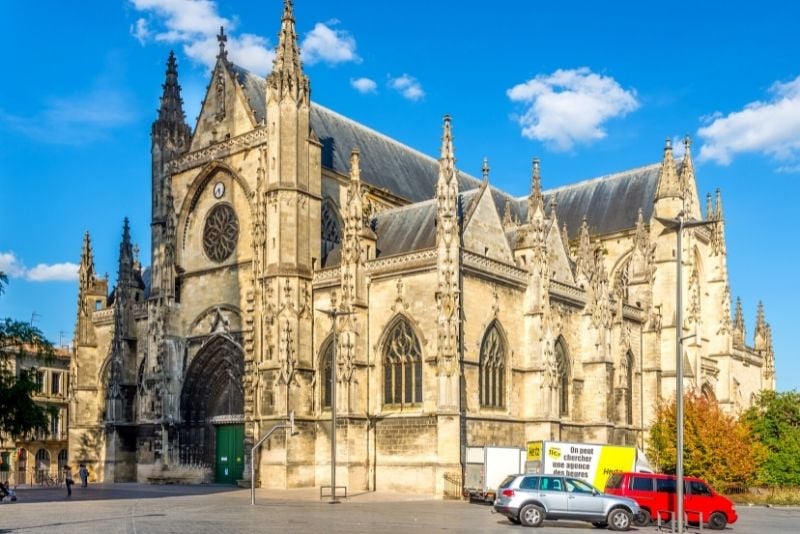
{"type": "Point", "coordinates": [655, 495]}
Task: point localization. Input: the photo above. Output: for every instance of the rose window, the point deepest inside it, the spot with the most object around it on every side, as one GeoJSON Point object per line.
{"type": "Point", "coordinates": [221, 232]}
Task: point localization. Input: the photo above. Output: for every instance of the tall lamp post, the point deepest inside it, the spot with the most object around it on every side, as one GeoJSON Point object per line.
{"type": "Point", "coordinates": [679, 223]}
{"type": "Point", "coordinates": [333, 314]}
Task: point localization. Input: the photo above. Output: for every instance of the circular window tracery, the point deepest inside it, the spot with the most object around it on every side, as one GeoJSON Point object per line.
{"type": "Point", "coordinates": [221, 232]}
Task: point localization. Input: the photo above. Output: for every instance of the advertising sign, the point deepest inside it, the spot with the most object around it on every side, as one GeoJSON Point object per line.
{"type": "Point", "coordinates": [593, 463]}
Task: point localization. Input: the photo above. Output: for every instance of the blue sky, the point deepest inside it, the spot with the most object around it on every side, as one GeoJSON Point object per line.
{"type": "Point", "coordinates": [590, 87]}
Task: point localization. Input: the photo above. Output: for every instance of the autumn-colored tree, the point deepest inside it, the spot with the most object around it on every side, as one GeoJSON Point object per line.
{"type": "Point", "coordinates": [775, 420]}
{"type": "Point", "coordinates": [717, 447]}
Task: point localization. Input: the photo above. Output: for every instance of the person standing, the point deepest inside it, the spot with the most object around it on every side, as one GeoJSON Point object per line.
{"type": "Point", "coordinates": [68, 480]}
{"type": "Point", "coordinates": [84, 474]}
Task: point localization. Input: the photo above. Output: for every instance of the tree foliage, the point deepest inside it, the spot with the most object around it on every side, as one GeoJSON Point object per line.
{"type": "Point", "coordinates": [19, 414]}
{"type": "Point", "coordinates": [717, 447]}
{"type": "Point", "coordinates": [775, 419]}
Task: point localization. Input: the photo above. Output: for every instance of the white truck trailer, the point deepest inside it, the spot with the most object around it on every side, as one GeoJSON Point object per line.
{"type": "Point", "coordinates": [487, 467]}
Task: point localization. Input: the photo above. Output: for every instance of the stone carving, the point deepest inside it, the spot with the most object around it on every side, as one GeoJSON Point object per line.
{"type": "Point", "coordinates": [221, 232]}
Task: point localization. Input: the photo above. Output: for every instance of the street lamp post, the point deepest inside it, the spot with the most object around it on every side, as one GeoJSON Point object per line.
{"type": "Point", "coordinates": [679, 223]}
{"type": "Point", "coordinates": [333, 314]}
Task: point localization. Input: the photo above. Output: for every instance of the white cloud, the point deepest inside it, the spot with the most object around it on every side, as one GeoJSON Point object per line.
{"type": "Point", "coordinates": [140, 30]}
{"type": "Point", "coordinates": [570, 106]}
{"type": "Point", "coordinates": [770, 127]}
{"type": "Point", "coordinates": [57, 272]}
{"type": "Point", "coordinates": [328, 45]}
{"type": "Point", "coordinates": [10, 265]}
{"type": "Point", "coordinates": [74, 120]}
{"type": "Point", "coordinates": [408, 86]}
{"type": "Point", "coordinates": [364, 85]}
{"type": "Point", "coordinates": [194, 24]}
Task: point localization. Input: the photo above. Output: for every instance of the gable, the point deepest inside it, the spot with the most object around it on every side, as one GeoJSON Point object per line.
{"type": "Point", "coordinates": [483, 232]}
{"type": "Point", "coordinates": [560, 268]}
{"type": "Point", "coordinates": [225, 112]}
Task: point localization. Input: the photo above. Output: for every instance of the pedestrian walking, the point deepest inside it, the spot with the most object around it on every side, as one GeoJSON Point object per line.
{"type": "Point", "coordinates": [68, 480]}
{"type": "Point", "coordinates": [84, 474]}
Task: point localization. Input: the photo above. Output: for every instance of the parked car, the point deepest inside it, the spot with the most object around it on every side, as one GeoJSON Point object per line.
{"type": "Point", "coordinates": [656, 497]}
{"type": "Point", "coordinates": [530, 499]}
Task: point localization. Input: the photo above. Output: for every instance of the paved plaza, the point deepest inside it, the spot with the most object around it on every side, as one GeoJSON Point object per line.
{"type": "Point", "coordinates": [136, 508]}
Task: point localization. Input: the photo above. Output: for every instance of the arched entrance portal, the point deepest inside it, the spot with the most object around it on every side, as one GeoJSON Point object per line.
{"type": "Point", "coordinates": [212, 409]}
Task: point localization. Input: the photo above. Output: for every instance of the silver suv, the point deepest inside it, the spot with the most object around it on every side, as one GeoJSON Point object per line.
{"type": "Point", "coordinates": [530, 499]}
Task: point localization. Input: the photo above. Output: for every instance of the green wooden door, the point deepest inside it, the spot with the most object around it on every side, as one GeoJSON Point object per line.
{"type": "Point", "coordinates": [230, 454]}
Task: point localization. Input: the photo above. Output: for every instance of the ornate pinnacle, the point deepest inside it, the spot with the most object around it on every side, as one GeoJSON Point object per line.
{"type": "Point", "coordinates": [222, 39]}
{"type": "Point", "coordinates": [355, 165]}
{"type": "Point", "coordinates": [485, 169]}
{"type": "Point", "coordinates": [761, 323]}
{"type": "Point", "coordinates": [171, 121]}
{"type": "Point", "coordinates": [535, 201]}
{"type": "Point", "coordinates": [287, 62]}
{"type": "Point", "coordinates": [709, 211]}
{"type": "Point", "coordinates": [447, 152]}
{"type": "Point", "coordinates": [668, 183]}
{"type": "Point", "coordinates": [553, 206]}
{"type": "Point", "coordinates": [738, 318]}
{"type": "Point", "coordinates": [718, 210]}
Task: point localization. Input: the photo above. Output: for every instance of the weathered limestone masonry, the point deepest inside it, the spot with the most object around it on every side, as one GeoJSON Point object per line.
{"type": "Point", "coordinates": [470, 317]}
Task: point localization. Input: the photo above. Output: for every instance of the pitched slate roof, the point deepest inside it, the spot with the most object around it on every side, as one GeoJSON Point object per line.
{"type": "Point", "coordinates": [385, 163]}
{"type": "Point", "coordinates": [610, 203]}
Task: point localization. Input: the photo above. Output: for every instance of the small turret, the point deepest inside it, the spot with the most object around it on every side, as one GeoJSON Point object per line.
{"type": "Point", "coordinates": [535, 200]}
{"type": "Point", "coordinates": [688, 182]}
{"type": "Point", "coordinates": [447, 184]}
{"type": "Point", "coordinates": [760, 340]}
{"type": "Point", "coordinates": [669, 193]}
{"type": "Point", "coordinates": [738, 325]}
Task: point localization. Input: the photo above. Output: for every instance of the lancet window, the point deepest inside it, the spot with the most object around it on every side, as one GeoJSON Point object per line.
{"type": "Point", "coordinates": [492, 369]}
{"type": "Point", "coordinates": [402, 366]}
{"type": "Point", "coordinates": [563, 371]}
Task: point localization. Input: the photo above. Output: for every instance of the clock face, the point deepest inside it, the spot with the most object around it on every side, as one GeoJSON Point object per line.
{"type": "Point", "coordinates": [219, 190]}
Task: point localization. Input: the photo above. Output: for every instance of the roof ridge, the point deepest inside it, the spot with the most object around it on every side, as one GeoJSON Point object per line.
{"type": "Point", "coordinates": [387, 138]}
{"type": "Point", "coordinates": [601, 178]}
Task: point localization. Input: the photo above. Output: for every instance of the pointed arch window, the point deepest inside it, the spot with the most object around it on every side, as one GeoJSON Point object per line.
{"type": "Point", "coordinates": [325, 371]}
{"type": "Point", "coordinates": [402, 366]}
{"type": "Point", "coordinates": [492, 369]}
{"type": "Point", "coordinates": [563, 372]}
{"type": "Point", "coordinates": [331, 234]}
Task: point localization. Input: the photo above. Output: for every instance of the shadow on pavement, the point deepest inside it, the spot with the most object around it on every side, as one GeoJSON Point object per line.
{"type": "Point", "coordinates": [117, 491]}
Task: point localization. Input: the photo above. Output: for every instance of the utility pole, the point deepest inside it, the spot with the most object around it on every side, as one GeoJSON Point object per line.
{"type": "Point", "coordinates": [679, 223]}
{"type": "Point", "coordinates": [334, 314]}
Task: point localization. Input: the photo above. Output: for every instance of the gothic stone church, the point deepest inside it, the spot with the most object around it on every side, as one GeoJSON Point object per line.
{"type": "Point", "coordinates": [470, 317]}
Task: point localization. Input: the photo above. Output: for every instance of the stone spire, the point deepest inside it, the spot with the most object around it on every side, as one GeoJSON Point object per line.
{"type": "Point", "coordinates": [688, 182]}
{"type": "Point", "coordinates": [86, 271]}
{"type": "Point", "coordinates": [447, 184]}
{"type": "Point", "coordinates": [485, 169]}
{"type": "Point", "coordinates": [717, 241]}
{"type": "Point", "coordinates": [738, 325]}
{"type": "Point", "coordinates": [535, 200]}
{"type": "Point", "coordinates": [668, 182]}
{"type": "Point", "coordinates": [760, 339]}
{"type": "Point", "coordinates": [709, 208]}
{"type": "Point", "coordinates": [171, 122]}
{"type": "Point", "coordinates": [287, 75]}
{"type": "Point", "coordinates": [222, 39]}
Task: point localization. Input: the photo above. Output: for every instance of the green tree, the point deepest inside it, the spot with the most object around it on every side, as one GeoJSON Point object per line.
{"type": "Point", "coordinates": [19, 414]}
{"type": "Point", "coordinates": [775, 419]}
{"type": "Point", "coordinates": [717, 447]}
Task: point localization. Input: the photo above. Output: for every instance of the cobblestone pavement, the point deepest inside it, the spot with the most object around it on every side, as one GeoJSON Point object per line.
{"type": "Point", "coordinates": [135, 509]}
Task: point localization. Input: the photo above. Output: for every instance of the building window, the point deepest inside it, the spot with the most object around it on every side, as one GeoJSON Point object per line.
{"type": "Point", "coordinates": [62, 460]}
{"type": "Point", "coordinates": [492, 369]}
{"type": "Point", "coordinates": [38, 378]}
{"type": "Point", "coordinates": [563, 373]}
{"type": "Point", "coordinates": [325, 372]}
{"type": "Point", "coordinates": [402, 366]}
{"type": "Point", "coordinates": [55, 383]}
{"type": "Point", "coordinates": [42, 462]}
{"type": "Point", "coordinates": [331, 236]}
{"type": "Point", "coordinates": [54, 424]}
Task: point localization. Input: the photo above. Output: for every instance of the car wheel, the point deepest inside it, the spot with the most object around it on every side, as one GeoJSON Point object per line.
{"type": "Point", "coordinates": [717, 521]}
{"type": "Point", "coordinates": [642, 519]}
{"type": "Point", "coordinates": [600, 524]}
{"type": "Point", "coordinates": [619, 519]}
{"type": "Point", "coordinates": [531, 515]}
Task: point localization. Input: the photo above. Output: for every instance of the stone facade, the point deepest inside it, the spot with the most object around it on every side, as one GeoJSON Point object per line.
{"type": "Point", "coordinates": [43, 452]}
{"type": "Point", "coordinates": [468, 317]}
